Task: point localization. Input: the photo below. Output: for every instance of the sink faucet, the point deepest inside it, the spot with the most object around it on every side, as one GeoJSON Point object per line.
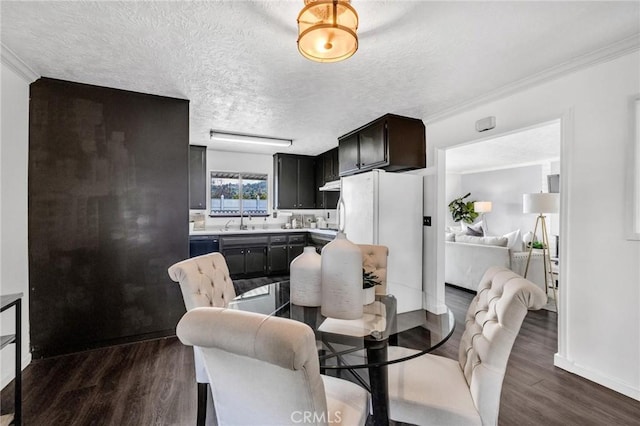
{"type": "Point", "coordinates": [226, 225]}
{"type": "Point", "coordinates": [242, 225]}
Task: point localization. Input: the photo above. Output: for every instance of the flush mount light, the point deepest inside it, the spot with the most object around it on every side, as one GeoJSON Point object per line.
{"type": "Point", "coordinates": [327, 30]}
{"type": "Point", "coordinates": [217, 136]}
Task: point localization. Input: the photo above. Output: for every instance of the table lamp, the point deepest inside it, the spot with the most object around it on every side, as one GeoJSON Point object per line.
{"type": "Point", "coordinates": [483, 207]}
{"type": "Point", "coordinates": [540, 203]}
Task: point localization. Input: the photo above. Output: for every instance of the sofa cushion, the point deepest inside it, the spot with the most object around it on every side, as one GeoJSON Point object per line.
{"type": "Point", "coordinates": [515, 240]}
{"type": "Point", "coordinates": [488, 241]}
{"type": "Point", "coordinates": [449, 236]}
{"type": "Point", "coordinates": [475, 230]}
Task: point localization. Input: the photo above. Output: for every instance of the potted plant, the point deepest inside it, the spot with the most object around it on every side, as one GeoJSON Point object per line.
{"type": "Point", "coordinates": [369, 282]}
{"type": "Point", "coordinates": [462, 210]}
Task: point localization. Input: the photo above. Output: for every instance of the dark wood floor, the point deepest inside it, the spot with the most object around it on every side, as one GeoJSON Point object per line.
{"type": "Point", "coordinates": [152, 383]}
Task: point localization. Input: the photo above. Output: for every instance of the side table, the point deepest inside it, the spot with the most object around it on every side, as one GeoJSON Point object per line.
{"type": "Point", "coordinates": [6, 302]}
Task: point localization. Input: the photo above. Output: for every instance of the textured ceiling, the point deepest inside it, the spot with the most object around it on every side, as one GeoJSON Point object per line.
{"type": "Point", "coordinates": [238, 64]}
{"type": "Point", "coordinates": [531, 146]}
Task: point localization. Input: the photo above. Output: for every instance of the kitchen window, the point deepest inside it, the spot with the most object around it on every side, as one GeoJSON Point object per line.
{"type": "Point", "coordinates": [235, 194]}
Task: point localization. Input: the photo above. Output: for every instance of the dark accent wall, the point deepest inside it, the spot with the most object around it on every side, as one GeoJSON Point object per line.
{"type": "Point", "coordinates": [108, 214]}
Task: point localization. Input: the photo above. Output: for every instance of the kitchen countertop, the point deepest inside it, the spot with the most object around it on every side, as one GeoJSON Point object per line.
{"type": "Point", "coordinates": [232, 231]}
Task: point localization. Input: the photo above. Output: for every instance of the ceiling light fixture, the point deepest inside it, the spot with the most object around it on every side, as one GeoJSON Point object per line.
{"type": "Point", "coordinates": [217, 136]}
{"type": "Point", "coordinates": [327, 30]}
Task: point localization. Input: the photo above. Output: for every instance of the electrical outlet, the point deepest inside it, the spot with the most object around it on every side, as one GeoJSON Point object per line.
{"type": "Point", "coordinates": [275, 215]}
{"type": "Point", "coordinates": [426, 221]}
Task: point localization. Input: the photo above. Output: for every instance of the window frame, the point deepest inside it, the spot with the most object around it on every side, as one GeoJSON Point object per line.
{"type": "Point", "coordinates": [248, 176]}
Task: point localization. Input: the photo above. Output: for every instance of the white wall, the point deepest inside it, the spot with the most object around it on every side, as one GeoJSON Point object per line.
{"type": "Point", "coordinates": [599, 312]}
{"type": "Point", "coordinates": [504, 188]}
{"type": "Point", "coordinates": [14, 268]}
{"type": "Point", "coordinates": [453, 190]}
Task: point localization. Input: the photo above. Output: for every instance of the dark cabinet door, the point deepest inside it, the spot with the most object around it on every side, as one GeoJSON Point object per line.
{"type": "Point", "coordinates": [235, 260]}
{"type": "Point", "coordinates": [348, 156]}
{"type": "Point", "coordinates": [295, 250]}
{"type": "Point", "coordinates": [320, 180]}
{"type": "Point", "coordinates": [335, 166]}
{"type": "Point", "coordinates": [286, 182]}
{"type": "Point", "coordinates": [197, 177]}
{"type": "Point", "coordinates": [306, 183]}
{"type": "Point", "coordinates": [278, 259]}
{"type": "Point", "coordinates": [373, 146]}
{"type": "Point", "coordinates": [255, 260]}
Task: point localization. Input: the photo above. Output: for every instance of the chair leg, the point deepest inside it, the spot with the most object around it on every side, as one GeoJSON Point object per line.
{"type": "Point", "coordinates": [202, 404]}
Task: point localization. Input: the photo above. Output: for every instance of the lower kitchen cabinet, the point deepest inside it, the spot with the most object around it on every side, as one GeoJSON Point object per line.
{"type": "Point", "coordinates": [235, 260]}
{"type": "Point", "coordinates": [278, 258]}
{"type": "Point", "coordinates": [295, 250]}
{"type": "Point", "coordinates": [246, 256]}
{"type": "Point", "coordinates": [252, 256]}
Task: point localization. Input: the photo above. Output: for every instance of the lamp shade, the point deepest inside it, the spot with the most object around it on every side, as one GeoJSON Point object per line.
{"type": "Point", "coordinates": [327, 30]}
{"type": "Point", "coordinates": [482, 206]}
{"type": "Point", "coordinates": [542, 202]}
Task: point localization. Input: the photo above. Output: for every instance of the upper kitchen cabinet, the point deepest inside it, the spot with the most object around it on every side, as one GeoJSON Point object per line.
{"type": "Point", "coordinates": [197, 177]}
{"type": "Point", "coordinates": [294, 181]}
{"type": "Point", "coordinates": [330, 165]}
{"type": "Point", "coordinates": [327, 170]}
{"type": "Point", "coordinates": [391, 143]}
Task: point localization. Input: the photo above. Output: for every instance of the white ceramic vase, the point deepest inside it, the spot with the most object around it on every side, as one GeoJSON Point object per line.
{"type": "Point", "coordinates": [369, 295]}
{"type": "Point", "coordinates": [305, 279]}
{"type": "Point", "coordinates": [342, 295]}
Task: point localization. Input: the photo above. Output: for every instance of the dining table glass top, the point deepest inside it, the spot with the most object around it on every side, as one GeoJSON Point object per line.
{"type": "Point", "coordinates": [343, 344]}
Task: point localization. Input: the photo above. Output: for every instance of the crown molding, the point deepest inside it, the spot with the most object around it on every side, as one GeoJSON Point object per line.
{"type": "Point", "coordinates": [605, 54]}
{"type": "Point", "coordinates": [12, 60]}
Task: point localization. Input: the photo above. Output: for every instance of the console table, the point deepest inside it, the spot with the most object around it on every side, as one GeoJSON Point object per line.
{"type": "Point", "coordinates": [6, 302]}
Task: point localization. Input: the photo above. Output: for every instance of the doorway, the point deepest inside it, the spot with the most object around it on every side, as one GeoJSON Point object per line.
{"type": "Point", "coordinates": [497, 171]}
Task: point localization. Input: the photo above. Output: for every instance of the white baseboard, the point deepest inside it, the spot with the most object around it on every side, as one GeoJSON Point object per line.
{"type": "Point", "coordinates": [7, 378]}
{"type": "Point", "coordinates": [606, 381]}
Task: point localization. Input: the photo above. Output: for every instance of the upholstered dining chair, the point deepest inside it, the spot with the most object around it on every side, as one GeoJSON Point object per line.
{"type": "Point", "coordinates": [431, 389]}
{"type": "Point", "coordinates": [266, 371]}
{"type": "Point", "coordinates": [374, 259]}
{"type": "Point", "coordinates": [204, 282]}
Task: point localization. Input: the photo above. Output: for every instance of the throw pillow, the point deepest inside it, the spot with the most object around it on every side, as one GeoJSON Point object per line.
{"type": "Point", "coordinates": [449, 236]}
{"type": "Point", "coordinates": [475, 230]}
{"type": "Point", "coordinates": [487, 241]}
{"type": "Point", "coordinates": [515, 241]}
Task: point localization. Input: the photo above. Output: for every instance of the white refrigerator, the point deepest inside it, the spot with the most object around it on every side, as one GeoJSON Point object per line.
{"type": "Point", "coordinates": [386, 209]}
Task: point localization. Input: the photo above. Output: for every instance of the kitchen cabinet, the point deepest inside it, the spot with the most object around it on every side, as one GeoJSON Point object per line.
{"type": "Point", "coordinates": [296, 245]}
{"type": "Point", "coordinates": [294, 181]}
{"type": "Point", "coordinates": [197, 177]}
{"type": "Point", "coordinates": [283, 249]}
{"type": "Point", "coordinates": [245, 256]}
{"type": "Point", "coordinates": [391, 143]}
{"type": "Point", "coordinates": [327, 170]}
{"type": "Point", "coordinates": [330, 165]}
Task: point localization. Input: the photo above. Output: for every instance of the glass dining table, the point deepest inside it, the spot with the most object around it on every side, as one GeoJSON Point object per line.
{"type": "Point", "coordinates": [362, 348]}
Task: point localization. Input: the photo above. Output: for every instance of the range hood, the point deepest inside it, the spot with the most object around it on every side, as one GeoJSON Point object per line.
{"type": "Point", "coordinates": [334, 185]}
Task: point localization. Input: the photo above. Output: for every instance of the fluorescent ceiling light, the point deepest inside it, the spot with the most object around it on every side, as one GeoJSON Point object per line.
{"type": "Point", "coordinates": [217, 136]}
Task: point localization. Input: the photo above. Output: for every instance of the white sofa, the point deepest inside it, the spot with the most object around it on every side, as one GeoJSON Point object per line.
{"type": "Point", "coordinates": [466, 263]}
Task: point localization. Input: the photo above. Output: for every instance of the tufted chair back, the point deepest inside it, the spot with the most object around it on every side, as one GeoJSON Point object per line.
{"type": "Point", "coordinates": [204, 281]}
{"type": "Point", "coordinates": [492, 324]}
{"type": "Point", "coordinates": [374, 259]}
{"type": "Point", "coordinates": [250, 356]}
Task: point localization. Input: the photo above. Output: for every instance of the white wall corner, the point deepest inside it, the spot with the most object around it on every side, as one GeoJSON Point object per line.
{"type": "Point", "coordinates": [12, 61]}
{"type": "Point", "coordinates": [9, 376]}
{"type": "Point", "coordinates": [597, 377]}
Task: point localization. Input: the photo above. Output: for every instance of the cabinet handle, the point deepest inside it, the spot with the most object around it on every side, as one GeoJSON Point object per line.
{"type": "Point", "coordinates": [248, 251]}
